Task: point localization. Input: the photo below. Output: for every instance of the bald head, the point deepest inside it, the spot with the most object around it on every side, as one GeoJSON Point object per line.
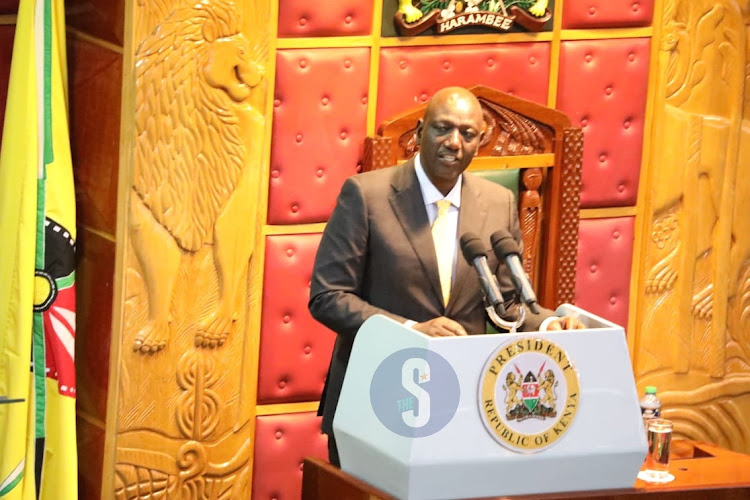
{"type": "Point", "coordinates": [456, 98]}
{"type": "Point", "coordinates": [449, 135]}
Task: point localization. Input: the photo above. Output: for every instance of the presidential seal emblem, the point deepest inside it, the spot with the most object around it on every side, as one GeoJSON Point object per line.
{"type": "Point", "coordinates": [528, 394]}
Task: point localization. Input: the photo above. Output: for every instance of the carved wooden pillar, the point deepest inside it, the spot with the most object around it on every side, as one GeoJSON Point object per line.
{"type": "Point", "coordinates": [693, 335]}
{"type": "Point", "coordinates": [181, 405]}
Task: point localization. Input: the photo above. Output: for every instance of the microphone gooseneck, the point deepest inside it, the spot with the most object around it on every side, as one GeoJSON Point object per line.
{"type": "Point", "coordinates": [475, 255]}
{"type": "Point", "coordinates": [506, 249]}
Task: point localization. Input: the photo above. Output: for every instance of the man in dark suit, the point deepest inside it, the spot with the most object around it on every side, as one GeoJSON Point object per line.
{"type": "Point", "coordinates": [377, 254]}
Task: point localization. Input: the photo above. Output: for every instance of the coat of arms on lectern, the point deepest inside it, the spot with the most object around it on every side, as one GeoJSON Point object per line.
{"type": "Point", "coordinates": [529, 394]}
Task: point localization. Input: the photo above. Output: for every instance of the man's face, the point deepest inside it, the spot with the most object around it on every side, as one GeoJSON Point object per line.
{"type": "Point", "coordinates": [449, 137]}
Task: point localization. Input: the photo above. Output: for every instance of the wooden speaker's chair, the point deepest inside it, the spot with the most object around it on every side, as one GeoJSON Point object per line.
{"type": "Point", "coordinates": [531, 149]}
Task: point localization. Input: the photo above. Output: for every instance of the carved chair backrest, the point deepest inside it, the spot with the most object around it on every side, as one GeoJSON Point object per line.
{"type": "Point", "coordinates": [536, 152]}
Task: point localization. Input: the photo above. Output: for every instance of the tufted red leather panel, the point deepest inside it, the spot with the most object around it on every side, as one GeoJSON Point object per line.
{"type": "Point", "coordinates": [281, 444]}
{"type": "Point", "coordinates": [603, 87]}
{"type": "Point", "coordinates": [408, 76]}
{"type": "Point", "coordinates": [340, 18]}
{"type": "Point", "coordinates": [294, 348]}
{"type": "Point", "coordinates": [605, 257]}
{"type": "Point", "coordinates": [319, 126]}
{"type": "Point", "coordinates": [607, 13]}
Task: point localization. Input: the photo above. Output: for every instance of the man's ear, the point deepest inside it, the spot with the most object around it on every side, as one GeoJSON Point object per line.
{"type": "Point", "coordinates": [420, 127]}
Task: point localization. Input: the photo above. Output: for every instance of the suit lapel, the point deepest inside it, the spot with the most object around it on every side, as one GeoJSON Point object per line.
{"type": "Point", "coordinates": [408, 205]}
{"type": "Point", "coordinates": [471, 218]}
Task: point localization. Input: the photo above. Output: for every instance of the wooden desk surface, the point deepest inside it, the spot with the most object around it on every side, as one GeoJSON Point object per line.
{"type": "Point", "coordinates": [701, 471]}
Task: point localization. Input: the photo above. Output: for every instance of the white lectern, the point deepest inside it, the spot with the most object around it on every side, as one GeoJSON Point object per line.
{"type": "Point", "coordinates": [489, 415]}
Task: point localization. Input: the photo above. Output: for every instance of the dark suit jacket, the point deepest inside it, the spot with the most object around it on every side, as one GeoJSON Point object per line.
{"type": "Point", "coordinates": [376, 256]}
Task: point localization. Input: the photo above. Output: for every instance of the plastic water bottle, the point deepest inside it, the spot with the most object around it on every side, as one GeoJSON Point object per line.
{"type": "Point", "coordinates": [650, 405]}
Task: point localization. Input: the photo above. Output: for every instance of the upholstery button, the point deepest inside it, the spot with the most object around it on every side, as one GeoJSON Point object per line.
{"type": "Point", "coordinates": [276, 103]}
{"type": "Point", "coordinates": [612, 300]}
{"type": "Point", "coordinates": [532, 60]}
{"type": "Point", "coordinates": [302, 21]}
{"type": "Point", "coordinates": [636, 7]}
{"type": "Point", "coordinates": [490, 62]}
{"type": "Point", "coordinates": [423, 97]}
{"type": "Point", "coordinates": [282, 383]}
{"type": "Point", "coordinates": [348, 64]}
{"type": "Point", "coordinates": [592, 11]}
{"type": "Point", "coordinates": [616, 234]}
{"type": "Point", "coordinates": [364, 99]}
{"type": "Point", "coordinates": [303, 63]}
{"type": "Point", "coordinates": [593, 268]}
{"type": "Point", "coordinates": [511, 92]}
{"type": "Point", "coordinates": [602, 157]}
{"type": "Point", "coordinates": [588, 57]}
{"type": "Point", "coordinates": [275, 173]}
{"type": "Point", "coordinates": [294, 208]}
{"type": "Point", "coordinates": [403, 64]}
{"type": "Point", "coordinates": [447, 65]}
{"type": "Point", "coordinates": [324, 101]}
{"type": "Point", "coordinates": [319, 172]}
{"type": "Point", "coordinates": [301, 465]}
{"type": "Point", "coordinates": [279, 434]}
{"type": "Point", "coordinates": [290, 252]}
{"type": "Point", "coordinates": [608, 90]}
{"type": "Point", "coordinates": [359, 168]}
{"type": "Point", "coordinates": [626, 123]}
{"type": "Point", "coordinates": [631, 57]}
{"type": "Point", "coordinates": [584, 122]}
{"type": "Point", "coordinates": [299, 138]}
{"type": "Point", "coordinates": [308, 349]}
{"type": "Point", "coordinates": [348, 19]}
{"type": "Point", "coordinates": [343, 135]}
{"type": "Point", "coordinates": [286, 319]}
{"type": "Point", "coordinates": [621, 188]}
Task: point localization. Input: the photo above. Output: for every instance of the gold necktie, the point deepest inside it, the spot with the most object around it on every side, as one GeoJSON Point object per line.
{"type": "Point", "coordinates": [444, 245]}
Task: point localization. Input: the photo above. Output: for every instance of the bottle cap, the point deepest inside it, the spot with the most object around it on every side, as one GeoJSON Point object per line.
{"type": "Point", "coordinates": [651, 389]}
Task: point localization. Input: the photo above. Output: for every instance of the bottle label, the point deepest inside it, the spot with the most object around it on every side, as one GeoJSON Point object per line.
{"type": "Point", "coordinates": [651, 412]}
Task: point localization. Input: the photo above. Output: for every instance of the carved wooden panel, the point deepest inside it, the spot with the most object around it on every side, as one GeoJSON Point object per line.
{"type": "Point", "coordinates": [694, 314]}
{"type": "Point", "coordinates": [185, 404]}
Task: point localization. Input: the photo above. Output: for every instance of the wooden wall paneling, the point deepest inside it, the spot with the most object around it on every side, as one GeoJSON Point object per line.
{"type": "Point", "coordinates": [94, 280]}
{"type": "Point", "coordinates": [182, 411]}
{"type": "Point", "coordinates": [8, 7]}
{"type": "Point", "coordinates": [101, 19]}
{"type": "Point", "coordinates": [95, 75]}
{"type": "Point", "coordinates": [7, 32]}
{"type": "Point", "coordinates": [692, 338]}
{"type": "Point", "coordinates": [90, 438]}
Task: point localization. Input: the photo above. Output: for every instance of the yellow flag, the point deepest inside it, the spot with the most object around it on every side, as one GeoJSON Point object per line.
{"type": "Point", "coordinates": [37, 295]}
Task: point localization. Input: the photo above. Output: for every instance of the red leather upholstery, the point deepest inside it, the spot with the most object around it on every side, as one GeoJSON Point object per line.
{"type": "Point", "coordinates": [319, 126]}
{"type": "Point", "coordinates": [603, 87]}
{"type": "Point", "coordinates": [299, 18]}
{"type": "Point", "coordinates": [605, 256]}
{"type": "Point", "coordinates": [294, 348]}
{"type": "Point", "coordinates": [606, 13]}
{"type": "Point", "coordinates": [281, 444]}
{"type": "Point", "coordinates": [410, 75]}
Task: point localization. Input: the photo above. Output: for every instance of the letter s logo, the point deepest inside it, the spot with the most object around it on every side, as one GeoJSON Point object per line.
{"type": "Point", "coordinates": [422, 397]}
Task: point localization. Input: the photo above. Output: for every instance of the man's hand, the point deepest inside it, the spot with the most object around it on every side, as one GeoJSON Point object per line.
{"type": "Point", "coordinates": [566, 323]}
{"type": "Point", "coordinates": [440, 327]}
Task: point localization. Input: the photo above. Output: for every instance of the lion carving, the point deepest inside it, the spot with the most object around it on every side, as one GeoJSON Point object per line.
{"type": "Point", "coordinates": [194, 163]}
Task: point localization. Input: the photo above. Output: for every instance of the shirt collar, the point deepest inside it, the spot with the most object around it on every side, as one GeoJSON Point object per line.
{"type": "Point", "coordinates": [431, 194]}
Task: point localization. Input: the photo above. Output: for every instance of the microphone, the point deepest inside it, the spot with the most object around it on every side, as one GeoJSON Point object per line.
{"type": "Point", "coordinates": [506, 249]}
{"type": "Point", "coordinates": [473, 250]}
